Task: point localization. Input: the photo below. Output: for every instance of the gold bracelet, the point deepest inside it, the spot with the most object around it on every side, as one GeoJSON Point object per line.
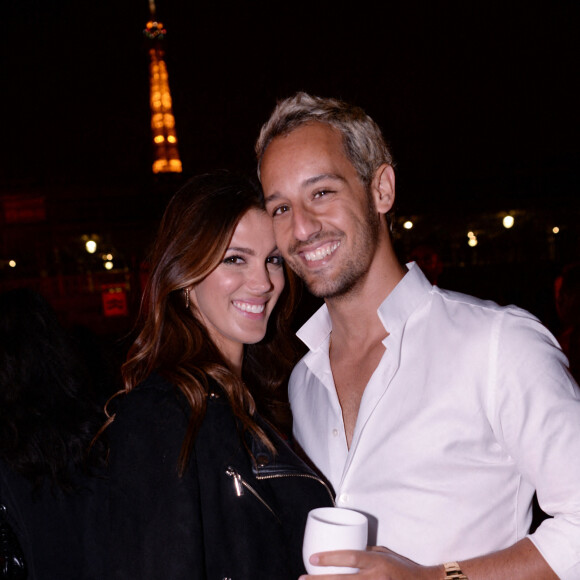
{"type": "Point", "coordinates": [453, 572]}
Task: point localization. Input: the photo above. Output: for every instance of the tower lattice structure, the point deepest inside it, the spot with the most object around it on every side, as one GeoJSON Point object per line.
{"type": "Point", "coordinates": [165, 152]}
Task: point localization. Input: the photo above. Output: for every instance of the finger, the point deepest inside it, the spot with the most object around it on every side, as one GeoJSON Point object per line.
{"type": "Point", "coordinates": [349, 558]}
{"type": "Point", "coordinates": [328, 576]}
{"type": "Point", "coordinates": [380, 549]}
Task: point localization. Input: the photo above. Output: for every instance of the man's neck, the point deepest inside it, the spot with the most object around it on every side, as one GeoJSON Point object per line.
{"type": "Point", "coordinates": [354, 315]}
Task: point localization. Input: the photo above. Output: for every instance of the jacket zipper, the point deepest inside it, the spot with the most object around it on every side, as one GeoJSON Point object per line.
{"type": "Point", "coordinates": [240, 483]}
{"type": "Point", "coordinates": [306, 475]}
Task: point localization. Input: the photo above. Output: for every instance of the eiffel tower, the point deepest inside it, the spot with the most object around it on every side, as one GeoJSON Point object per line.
{"type": "Point", "coordinates": [165, 153]}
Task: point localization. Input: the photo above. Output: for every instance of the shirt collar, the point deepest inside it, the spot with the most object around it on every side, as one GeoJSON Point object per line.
{"type": "Point", "coordinates": [393, 312]}
{"type": "Point", "coordinates": [407, 295]}
{"type": "Point", "coordinates": [315, 331]}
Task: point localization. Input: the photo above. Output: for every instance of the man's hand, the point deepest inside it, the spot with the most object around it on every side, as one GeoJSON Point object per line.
{"type": "Point", "coordinates": [375, 563]}
{"type": "Point", "coordinates": [521, 561]}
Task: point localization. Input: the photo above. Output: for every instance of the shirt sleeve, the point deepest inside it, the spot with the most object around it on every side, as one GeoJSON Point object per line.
{"type": "Point", "coordinates": [537, 418]}
{"type": "Point", "coordinates": [155, 518]}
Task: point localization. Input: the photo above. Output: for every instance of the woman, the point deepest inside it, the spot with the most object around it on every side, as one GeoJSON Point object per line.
{"type": "Point", "coordinates": [202, 485]}
{"type": "Point", "coordinates": [49, 414]}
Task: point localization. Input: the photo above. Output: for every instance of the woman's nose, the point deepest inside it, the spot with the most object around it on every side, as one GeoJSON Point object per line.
{"type": "Point", "coordinates": [260, 279]}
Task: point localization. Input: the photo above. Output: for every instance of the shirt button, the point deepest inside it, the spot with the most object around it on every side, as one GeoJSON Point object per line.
{"type": "Point", "coordinates": [343, 498]}
{"type": "Point", "coordinates": [335, 432]}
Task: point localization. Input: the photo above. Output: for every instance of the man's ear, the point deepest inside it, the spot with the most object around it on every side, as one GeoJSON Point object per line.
{"type": "Point", "coordinates": [383, 188]}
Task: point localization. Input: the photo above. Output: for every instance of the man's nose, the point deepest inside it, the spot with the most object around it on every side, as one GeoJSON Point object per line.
{"type": "Point", "coordinates": [304, 223]}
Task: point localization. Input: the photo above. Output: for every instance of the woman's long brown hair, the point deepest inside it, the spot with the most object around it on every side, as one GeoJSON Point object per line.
{"type": "Point", "coordinates": [193, 236]}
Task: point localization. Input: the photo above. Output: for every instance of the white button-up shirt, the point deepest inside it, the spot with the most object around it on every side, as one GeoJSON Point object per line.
{"type": "Point", "coordinates": [470, 410]}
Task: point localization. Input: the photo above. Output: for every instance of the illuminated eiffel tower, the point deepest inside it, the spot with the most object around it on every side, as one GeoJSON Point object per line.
{"type": "Point", "coordinates": [165, 153]}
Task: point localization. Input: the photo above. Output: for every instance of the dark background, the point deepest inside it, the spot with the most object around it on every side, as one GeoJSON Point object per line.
{"type": "Point", "coordinates": [479, 101]}
{"type": "Point", "coordinates": [468, 93]}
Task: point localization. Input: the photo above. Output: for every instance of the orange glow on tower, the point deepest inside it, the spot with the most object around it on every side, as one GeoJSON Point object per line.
{"type": "Point", "coordinates": [165, 153]}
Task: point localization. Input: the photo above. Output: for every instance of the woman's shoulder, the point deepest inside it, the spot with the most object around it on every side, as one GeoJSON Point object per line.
{"type": "Point", "coordinates": [155, 397]}
{"type": "Point", "coordinates": [154, 383]}
{"type": "Point", "coordinates": [155, 388]}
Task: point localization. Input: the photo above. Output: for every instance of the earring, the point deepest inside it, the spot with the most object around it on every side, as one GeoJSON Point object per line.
{"type": "Point", "coordinates": [186, 292]}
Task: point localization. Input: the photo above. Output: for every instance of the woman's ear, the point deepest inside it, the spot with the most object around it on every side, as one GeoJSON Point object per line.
{"type": "Point", "coordinates": [383, 188]}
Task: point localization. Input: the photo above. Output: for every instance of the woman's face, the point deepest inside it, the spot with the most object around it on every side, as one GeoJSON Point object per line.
{"type": "Point", "coordinates": [237, 298]}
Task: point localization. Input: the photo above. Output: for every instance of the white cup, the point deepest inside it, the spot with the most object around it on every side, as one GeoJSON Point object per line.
{"type": "Point", "coordinates": [332, 528]}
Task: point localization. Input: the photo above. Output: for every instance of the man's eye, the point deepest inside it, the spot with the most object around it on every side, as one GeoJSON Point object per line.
{"type": "Point", "coordinates": [320, 193]}
{"type": "Point", "coordinates": [280, 210]}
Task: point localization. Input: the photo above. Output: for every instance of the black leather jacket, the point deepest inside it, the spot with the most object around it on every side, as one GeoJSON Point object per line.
{"type": "Point", "coordinates": [228, 517]}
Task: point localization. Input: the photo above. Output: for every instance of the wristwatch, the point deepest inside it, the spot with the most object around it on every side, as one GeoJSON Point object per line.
{"type": "Point", "coordinates": [453, 572]}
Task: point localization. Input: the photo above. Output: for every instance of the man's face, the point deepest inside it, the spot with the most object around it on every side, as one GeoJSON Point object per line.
{"type": "Point", "coordinates": [324, 223]}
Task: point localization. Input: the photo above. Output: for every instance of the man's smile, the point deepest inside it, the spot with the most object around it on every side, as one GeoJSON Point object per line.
{"type": "Point", "coordinates": [321, 252]}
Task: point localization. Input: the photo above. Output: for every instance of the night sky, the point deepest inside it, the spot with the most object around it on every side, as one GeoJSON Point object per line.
{"type": "Point", "coordinates": [479, 100]}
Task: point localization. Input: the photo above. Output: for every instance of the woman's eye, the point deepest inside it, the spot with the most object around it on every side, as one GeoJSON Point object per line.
{"type": "Point", "coordinates": [275, 260]}
{"type": "Point", "coordinates": [233, 260]}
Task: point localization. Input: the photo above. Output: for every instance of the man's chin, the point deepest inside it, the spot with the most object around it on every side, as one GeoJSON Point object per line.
{"type": "Point", "coordinates": [321, 284]}
{"type": "Point", "coordinates": [324, 288]}
{"type": "Point", "coordinates": [315, 287]}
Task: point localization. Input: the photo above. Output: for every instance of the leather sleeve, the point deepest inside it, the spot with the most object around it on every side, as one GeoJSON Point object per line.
{"type": "Point", "coordinates": [154, 514]}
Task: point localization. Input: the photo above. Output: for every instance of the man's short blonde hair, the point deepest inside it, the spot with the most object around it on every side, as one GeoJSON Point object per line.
{"type": "Point", "coordinates": [363, 141]}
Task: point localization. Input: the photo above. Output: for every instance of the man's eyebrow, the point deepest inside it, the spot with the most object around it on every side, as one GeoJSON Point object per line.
{"type": "Point", "coordinates": [316, 178]}
{"type": "Point", "coordinates": [272, 197]}
{"type": "Point", "coordinates": [306, 183]}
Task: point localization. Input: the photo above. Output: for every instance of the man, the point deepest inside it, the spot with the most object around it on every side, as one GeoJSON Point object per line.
{"type": "Point", "coordinates": [434, 413]}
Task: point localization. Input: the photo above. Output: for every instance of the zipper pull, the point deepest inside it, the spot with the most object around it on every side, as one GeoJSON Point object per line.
{"type": "Point", "coordinates": [237, 481]}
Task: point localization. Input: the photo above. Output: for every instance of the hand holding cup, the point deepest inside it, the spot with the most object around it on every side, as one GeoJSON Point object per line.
{"type": "Point", "coordinates": [332, 528]}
